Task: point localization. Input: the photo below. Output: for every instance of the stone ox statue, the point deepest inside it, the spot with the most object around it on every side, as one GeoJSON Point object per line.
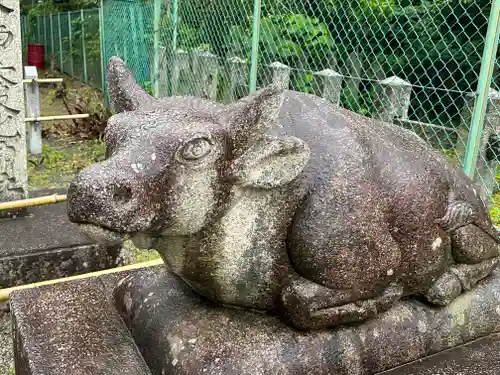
{"type": "Point", "coordinates": [283, 202]}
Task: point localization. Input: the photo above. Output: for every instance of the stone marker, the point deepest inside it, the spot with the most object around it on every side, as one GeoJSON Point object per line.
{"type": "Point", "coordinates": [71, 329]}
{"type": "Point", "coordinates": [284, 203]}
{"type": "Point", "coordinates": [13, 160]}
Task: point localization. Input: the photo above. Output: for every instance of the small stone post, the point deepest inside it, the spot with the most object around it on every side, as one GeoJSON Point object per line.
{"type": "Point", "coordinates": [485, 176]}
{"type": "Point", "coordinates": [206, 71]}
{"type": "Point", "coordinates": [354, 72]}
{"type": "Point", "coordinates": [238, 76]}
{"type": "Point", "coordinates": [181, 64]}
{"type": "Point", "coordinates": [393, 99]}
{"type": "Point", "coordinates": [33, 109]}
{"type": "Point", "coordinates": [281, 74]}
{"type": "Point", "coordinates": [163, 79]}
{"type": "Point", "coordinates": [13, 163]}
{"type": "Point", "coordinates": [163, 70]}
{"type": "Point", "coordinates": [329, 84]}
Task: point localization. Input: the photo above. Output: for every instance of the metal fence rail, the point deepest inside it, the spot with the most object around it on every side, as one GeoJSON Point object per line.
{"type": "Point", "coordinates": [71, 40]}
{"type": "Point", "coordinates": [430, 66]}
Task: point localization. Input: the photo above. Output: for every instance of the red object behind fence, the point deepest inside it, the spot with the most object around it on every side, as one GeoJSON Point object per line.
{"type": "Point", "coordinates": [36, 55]}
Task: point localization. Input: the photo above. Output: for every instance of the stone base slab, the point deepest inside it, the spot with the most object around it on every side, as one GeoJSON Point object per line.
{"type": "Point", "coordinates": [71, 329]}
{"type": "Point", "coordinates": [181, 333]}
{"type": "Point", "coordinates": [479, 357]}
{"type": "Point", "coordinates": [80, 327]}
{"type": "Point", "coordinates": [44, 245]}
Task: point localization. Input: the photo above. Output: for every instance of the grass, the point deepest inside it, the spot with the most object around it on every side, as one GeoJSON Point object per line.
{"type": "Point", "coordinates": [61, 160]}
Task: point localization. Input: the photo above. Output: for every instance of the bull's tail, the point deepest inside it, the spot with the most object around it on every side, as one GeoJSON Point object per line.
{"type": "Point", "coordinates": [461, 213]}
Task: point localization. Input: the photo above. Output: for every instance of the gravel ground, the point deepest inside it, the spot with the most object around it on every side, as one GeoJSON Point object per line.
{"type": "Point", "coordinates": [6, 353]}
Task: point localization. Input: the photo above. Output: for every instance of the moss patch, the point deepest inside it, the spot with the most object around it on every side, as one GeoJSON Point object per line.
{"type": "Point", "coordinates": [139, 254]}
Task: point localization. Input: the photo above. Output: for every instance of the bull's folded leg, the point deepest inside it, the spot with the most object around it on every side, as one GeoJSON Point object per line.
{"type": "Point", "coordinates": [458, 279]}
{"type": "Point", "coordinates": [358, 311]}
{"type": "Point", "coordinates": [312, 306]}
{"type": "Point", "coordinates": [470, 245]}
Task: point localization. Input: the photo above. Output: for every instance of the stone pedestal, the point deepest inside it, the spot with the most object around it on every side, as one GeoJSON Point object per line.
{"type": "Point", "coordinates": [183, 334]}
{"type": "Point", "coordinates": [73, 328]}
{"type": "Point", "coordinates": [13, 163]}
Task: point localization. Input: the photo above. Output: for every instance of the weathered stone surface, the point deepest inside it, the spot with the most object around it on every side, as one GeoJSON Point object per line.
{"type": "Point", "coordinates": [71, 329]}
{"type": "Point", "coordinates": [13, 163]}
{"type": "Point", "coordinates": [476, 358]}
{"type": "Point", "coordinates": [284, 202]}
{"type": "Point", "coordinates": [179, 332]}
{"type": "Point", "coordinates": [45, 245]}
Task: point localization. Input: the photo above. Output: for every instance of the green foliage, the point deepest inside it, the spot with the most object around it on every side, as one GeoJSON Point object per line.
{"type": "Point", "coordinates": [148, 86]}
{"type": "Point", "coordinates": [495, 209]}
{"type": "Point", "coordinates": [436, 45]}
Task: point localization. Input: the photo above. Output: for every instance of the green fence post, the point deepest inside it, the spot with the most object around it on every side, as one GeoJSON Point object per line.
{"type": "Point", "coordinates": [45, 49]}
{"type": "Point", "coordinates": [70, 37]}
{"type": "Point", "coordinates": [84, 51]}
{"type": "Point", "coordinates": [39, 32]}
{"type": "Point", "coordinates": [483, 89]}
{"type": "Point", "coordinates": [51, 36]}
{"type": "Point", "coordinates": [255, 45]}
{"type": "Point", "coordinates": [175, 21]}
{"type": "Point", "coordinates": [135, 42]}
{"type": "Point", "coordinates": [60, 42]}
{"type": "Point", "coordinates": [103, 53]}
{"type": "Point", "coordinates": [156, 48]}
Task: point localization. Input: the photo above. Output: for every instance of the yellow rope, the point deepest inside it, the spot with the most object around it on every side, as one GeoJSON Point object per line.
{"type": "Point", "coordinates": [4, 293]}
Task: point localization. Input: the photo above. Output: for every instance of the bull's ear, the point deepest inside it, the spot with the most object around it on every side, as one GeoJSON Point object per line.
{"type": "Point", "coordinates": [248, 119]}
{"type": "Point", "coordinates": [125, 94]}
{"type": "Point", "coordinates": [271, 162]}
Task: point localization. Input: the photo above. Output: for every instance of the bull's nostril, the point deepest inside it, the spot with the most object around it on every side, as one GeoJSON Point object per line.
{"type": "Point", "coordinates": [122, 194]}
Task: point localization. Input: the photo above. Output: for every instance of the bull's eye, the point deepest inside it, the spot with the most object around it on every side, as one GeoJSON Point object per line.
{"type": "Point", "coordinates": [196, 149]}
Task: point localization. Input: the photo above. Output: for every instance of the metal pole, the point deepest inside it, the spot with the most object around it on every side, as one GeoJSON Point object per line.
{"type": "Point", "coordinates": [51, 36]}
{"type": "Point", "coordinates": [483, 88]}
{"type": "Point", "coordinates": [39, 32]}
{"type": "Point", "coordinates": [255, 44]}
{"type": "Point", "coordinates": [60, 42]}
{"type": "Point", "coordinates": [103, 52]}
{"type": "Point", "coordinates": [45, 49]}
{"type": "Point", "coordinates": [175, 21]}
{"type": "Point", "coordinates": [70, 37]}
{"type": "Point", "coordinates": [156, 48]}
{"type": "Point", "coordinates": [84, 50]}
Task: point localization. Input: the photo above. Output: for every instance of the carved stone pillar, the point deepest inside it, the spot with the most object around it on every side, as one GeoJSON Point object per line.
{"type": "Point", "coordinates": [13, 164]}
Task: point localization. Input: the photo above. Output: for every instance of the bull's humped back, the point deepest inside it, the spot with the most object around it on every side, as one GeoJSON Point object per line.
{"type": "Point", "coordinates": [337, 136]}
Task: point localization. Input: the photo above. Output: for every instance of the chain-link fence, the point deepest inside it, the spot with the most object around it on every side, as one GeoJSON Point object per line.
{"type": "Point", "coordinates": [71, 42]}
{"type": "Point", "coordinates": [428, 66]}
